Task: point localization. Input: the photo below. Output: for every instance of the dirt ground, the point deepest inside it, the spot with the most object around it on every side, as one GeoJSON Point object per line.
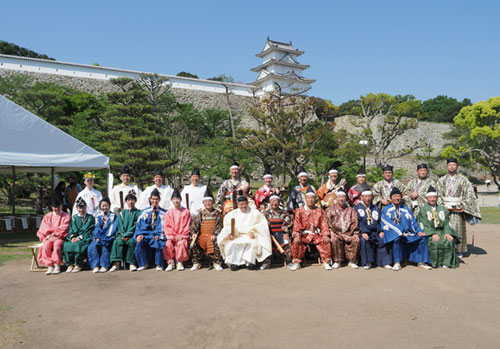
{"type": "Point", "coordinates": [413, 308]}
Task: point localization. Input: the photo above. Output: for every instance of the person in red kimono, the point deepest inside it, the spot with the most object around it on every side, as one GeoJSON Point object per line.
{"type": "Point", "coordinates": [343, 223]}
{"type": "Point", "coordinates": [52, 232]}
{"type": "Point", "coordinates": [262, 195]}
{"type": "Point", "coordinates": [176, 227]}
{"type": "Point", "coordinates": [355, 191]}
{"type": "Point", "coordinates": [310, 227]}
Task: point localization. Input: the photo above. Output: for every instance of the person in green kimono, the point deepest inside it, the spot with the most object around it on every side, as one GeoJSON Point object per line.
{"type": "Point", "coordinates": [434, 220]}
{"type": "Point", "coordinates": [124, 244]}
{"type": "Point", "coordinates": [81, 228]}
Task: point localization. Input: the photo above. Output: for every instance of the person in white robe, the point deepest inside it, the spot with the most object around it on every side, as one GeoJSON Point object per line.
{"type": "Point", "coordinates": [165, 193]}
{"type": "Point", "coordinates": [251, 241]}
{"type": "Point", "coordinates": [126, 188]}
{"type": "Point", "coordinates": [196, 192]}
{"type": "Point", "coordinates": [91, 196]}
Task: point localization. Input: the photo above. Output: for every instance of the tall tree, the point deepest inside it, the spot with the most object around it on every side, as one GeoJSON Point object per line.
{"type": "Point", "coordinates": [442, 108]}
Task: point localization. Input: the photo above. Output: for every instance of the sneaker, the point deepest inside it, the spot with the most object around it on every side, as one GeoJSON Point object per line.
{"type": "Point", "coordinates": [327, 266]}
{"type": "Point", "coordinates": [50, 270]}
{"type": "Point", "coordinates": [57, 269]}
{"type": "Point", "coordinates": [169, 267]}
{"type": "Point", "coordinates": [103, 270]}
{"type": "Point", "coordinates": [195, 266]}
{"type": "Point", "coordinates": [353, 265]}
{"type": "Point", "coordinates": [159, 268]}
{"type": "Point", "coordinates": [445, 267]}
{"type": "Point", "coordinates": [295, 266]}
{"type": "Point", "coordinates": [336, 265]}
{"type": "Point", "coordinates": [69, 269]}
{"type": "Point", "coordinates": [95, 270]}
{"type": "Point", "coordinates": [460, 255]}
{"type": "Point", "coordinates": [218, 267]}
{"type": "Point", "coordinates": [115, 268]}
{"type": "Point", "coordinates": [77, 269]}
{"type": "Point", "coordinates": [180, 266]}
{"type": "Point", "coordinates": [265, 266]}
{"type": "Point", "coordinates": [141, 268]}
{"type": "Point", "coordinates": [388, 266]}
{"type": "Point", "coordinates": [396, 267]}
{"type": "Point", "coordinates": [424, 266]}
{"type": "Point", "coordinates": [132, 267]}
{"type": "Point", "coordinates": [368, 266]}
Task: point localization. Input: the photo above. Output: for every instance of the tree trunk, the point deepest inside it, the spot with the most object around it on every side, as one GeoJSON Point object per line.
{"type": "Point", "coordinates": [39, 197]}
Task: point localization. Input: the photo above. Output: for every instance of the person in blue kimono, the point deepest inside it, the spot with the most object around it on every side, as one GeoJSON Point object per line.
{"type": "Point", "coordinates": [372, 248]}
{"type": "Point", "coordinates": [401, 229]}
{"type": "Point", "coordinates": [149, 234]}
{"type": "Point", "coordinates": [102, 239]}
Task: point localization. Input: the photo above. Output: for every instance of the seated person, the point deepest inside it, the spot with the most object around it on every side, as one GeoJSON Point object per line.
{"type": "Point", "coordinates": [176, 223]}
{"type": "Point", "coordinates": [81, 228]}
{"type": "Point", "coordinates": [280, 225]}
{"type": "Point", "coordinates": [249, 242]}
{"type": "Point", "coordinates": [100, 247]}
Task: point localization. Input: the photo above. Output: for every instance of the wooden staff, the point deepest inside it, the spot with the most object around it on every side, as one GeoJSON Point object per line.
{"type": "Point", "coordinates": [187, 201]}
{"type": "Point", "coordinates": [233, 226]}
{"type": "Point", "coordinates": [121, 200]}
{"type": "Point", "coordinates": [277, 244]}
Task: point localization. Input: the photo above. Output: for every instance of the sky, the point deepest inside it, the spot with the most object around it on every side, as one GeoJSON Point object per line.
{"type": "Point", "coordinates": [423, 48]}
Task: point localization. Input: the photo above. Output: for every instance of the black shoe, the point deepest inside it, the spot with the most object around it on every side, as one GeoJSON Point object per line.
{"type": "Point", "coordinates": [251, 267]}
{"type": "Point", "coordinates": [234, 267]}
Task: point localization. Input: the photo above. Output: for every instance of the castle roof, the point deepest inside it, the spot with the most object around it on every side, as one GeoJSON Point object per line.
{"type": "Point", "coordinates": [287, 61]}
{"type": "Point", "coordinates": [290, 76]}
{"type": "Point", "coordinates": [272, 45]}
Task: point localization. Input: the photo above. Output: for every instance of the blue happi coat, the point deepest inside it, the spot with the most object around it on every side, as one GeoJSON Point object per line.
{"type": "Point", "coordinates": [105, 228]}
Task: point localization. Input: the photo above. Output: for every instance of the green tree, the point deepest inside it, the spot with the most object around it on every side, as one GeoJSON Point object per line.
{"type": "Point", "coordinates": [222, 78]}
{"type": "Point", "coordinates": [9, 48]}
{"type": "Point", "coordinates": [481, 121]}
{"type": "Point", "coordinates": [442, 108]}
{"type": "Point", "coordinates": [184, 74]}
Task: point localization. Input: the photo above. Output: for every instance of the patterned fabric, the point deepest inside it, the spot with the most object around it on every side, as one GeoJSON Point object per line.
{"type": "Point", "coordinates": [197, 226]}
{"type": "Point", "coordinates": [421, 187]}
{"type": "Point", "coordinates": [354, 195]}
{"type": "Point", "coordinates": [280, 223]}
{"type": "Point", "coordinates": [262, 197]}
{"type": "Point", "coordinates": [296, 198]}
{"type": "Point", "coordinates": [343, 224]}
{"type": "Point", "coordinates": [310, 226]}
{"type": "Point", "coordinates": [382, 190]}
{"type": "Point", "coordinates": [458, 186]}
{"type": "Point", "coordinates": [226, 190]}
{"type": "Point", "coordinates": [326, 188]}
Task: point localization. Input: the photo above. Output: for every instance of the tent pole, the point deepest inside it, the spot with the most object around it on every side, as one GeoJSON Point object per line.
{"type": "Point", "coordinates": [52, 179]}
{"type": "Point", "coordinates": [13, 191]}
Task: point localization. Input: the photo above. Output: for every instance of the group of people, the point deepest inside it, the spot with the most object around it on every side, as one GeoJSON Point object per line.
{"type": "Point", "coordinates": [422, 222]}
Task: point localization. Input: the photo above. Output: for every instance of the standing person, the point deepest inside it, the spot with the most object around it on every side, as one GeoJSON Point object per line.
{"type": "Point", "coordinates": [176, 225]}
{"type": "Point", "coordinates": [435, 221]}
{"type": "Point", "coordinates": [343, 223]}
{"type": "Point", "coordinates": [149, 234]}
{"type": "Point", "coordinates": [250, 241]}
{"type": "Point", "coordinates": [310, 227]}
{"type": "Point", "coordinates": [99, 248]}
{"type": "Point", "coordinates": [262, 195]}
{"type": "Point", "coordinates": [91, 196]}
{"type": "Point", "coordinates": [60, 192]}
{"type": "Point", "coordinates": [355, 191]}
{"type": "Point", "coordinates": [227, 188]}
{"type": "Point", "coordinates": [71, 194]}
{"type": "Point", "coordinates": [123, 248]}
{"type": "Point", "coordinates": [205, 227]}
{"type": "Point", "coordinates": [402, 231]}
{"type": "Point", "coordinates": [280, 226]}
{"type": "Point", "coordinates": [196, 192]}
{"type": "Point", "coordinates": [125, 188]}
{"type": "Point", "coordinates": [457, 196]}
{"type": "Point", "coordinates": [382, 189]}
{"type": "Point", "coordinates": [333, 185]}
{"type": "Point", "coordinates": [165, 192]}
{"type": "Point", "coordinates": [52, 232]}
{"type": "Point", "coordinates": [80, 234]}
{"type": "Point", "coordinates": [416, 189]}
{"type": "Point", "coordinates": [372, 251]}
{"type": "Point", "coordinates": [296, 197]}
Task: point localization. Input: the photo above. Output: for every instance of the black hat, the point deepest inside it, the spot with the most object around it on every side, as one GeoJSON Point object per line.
{"type": "Point", "coordinates": [239, 192]}
{"type": "Point", "coordinates": [208, 195]}
{"type": "Point", "coordinates": [364, 187]}
{"type": "Point", "coordinates": [196, 171]}
{"type": "Point", "coordinates": [452, 160]}
{"type": "Point", "coordinates": [176, 194]}
{"type": "Point", "coordinates": [155, 192]}
{"type": "Point", "coordinates": [55, 201]}
{"type": "Point", "coordinates": [267, 171]}
{"type": "Point", "coordinates": [431, 191]}
{"type": "Point", "coordinates": [334, 168]}
{"type": "Point", "coordinates": [422, 165]}
{"type": "Point", "coordinates": [310, 191]}
{"type": "Point", "coordinates": [131, 196]}
{"type": "Point", "coordinates": [105, 199]}
{"type": "Point", "coordinates": [361, 172]}
{"type": "Point", "coordinates": [395, 191]}
{"type": "Point", "coordinates": [80, 202]}
{"type": "Point", "coordinates": [302, 171]}
{"type": "Point", "coordinates": [242, 198]}
{"type": "Point", "coordinates": [388, 168]}
{"type": "Point", "coordinates": [157, 172]}
{"type": "Point", "coordinates": [125, 170]}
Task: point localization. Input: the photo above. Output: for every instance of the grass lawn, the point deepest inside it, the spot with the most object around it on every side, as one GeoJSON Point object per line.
{"type": "Point", "coordinates": [491, 215]}
{"type": "Point", "coordinates": [14, 246]}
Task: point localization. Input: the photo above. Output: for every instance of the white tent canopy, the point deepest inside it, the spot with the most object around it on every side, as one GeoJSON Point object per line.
{"type": "Point", "coordinates": [30, 144]}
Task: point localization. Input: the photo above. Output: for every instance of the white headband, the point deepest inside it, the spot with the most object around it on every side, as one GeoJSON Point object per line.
{"type": "Point", "coordinates": [274, 196]}
{"type": "Point", "coordinates": [340, 193]}
{"type": "Point", "coordinates": [268, 176]}
{"type": "Point", "coordinates": [303, 174]}
{"type": "Point", "coordinates": [310, 193]}
{"type": "Point", "coordinates": [367, 192]}
{"type": "Point", "coordinates": [361, 175]}
{"type": "Point", "coordinates": [333, 171]}
{"type": "Point", "coordinates": [234, 166]}
{"type": "Point", "coordinates": [432, 193]}
{"type": "Point", "coordinates": [207, 198]}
